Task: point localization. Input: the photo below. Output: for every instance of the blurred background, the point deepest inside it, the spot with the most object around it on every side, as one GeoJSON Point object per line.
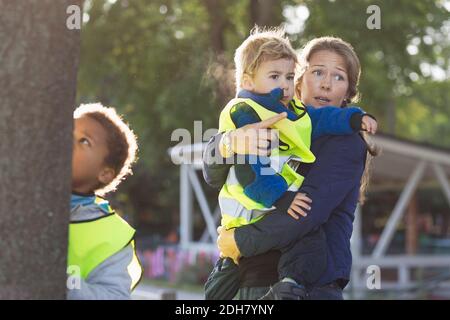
{"type": "Point", "coordinates": [167, 63]}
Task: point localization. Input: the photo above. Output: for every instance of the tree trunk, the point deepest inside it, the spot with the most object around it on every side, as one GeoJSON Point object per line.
{"type": "Point", "coordinates": [218, 23]}
{"type": "Point", "coordinates": [220, 68]}
{"type": "Point", "coordinates": [265, 13]}
{"type": "Point", "coordinates": [39, 59]}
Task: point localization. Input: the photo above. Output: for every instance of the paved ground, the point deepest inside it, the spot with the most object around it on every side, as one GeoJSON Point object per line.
{"type": "Point", "coordinates": [147, 292]}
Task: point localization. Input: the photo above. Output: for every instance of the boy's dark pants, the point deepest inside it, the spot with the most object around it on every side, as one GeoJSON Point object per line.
{"type": "Point", "coordinates": [304, 261]}
{"type": "Point", "coordinates": [223, 281]}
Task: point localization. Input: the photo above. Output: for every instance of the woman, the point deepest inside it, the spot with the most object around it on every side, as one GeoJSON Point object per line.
{"type": "Point", "coordinates": [329, 75]}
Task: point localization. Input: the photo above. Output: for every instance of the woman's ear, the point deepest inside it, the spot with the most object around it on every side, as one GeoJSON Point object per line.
{"type": "Point", "coordinates": [106, 175]}
{"type": "Point", "coordinates": [345, 101]}
{"type": "Point", "coordinates": [297, 89]}
{"type": "Point", "coordinates": [247, 82]}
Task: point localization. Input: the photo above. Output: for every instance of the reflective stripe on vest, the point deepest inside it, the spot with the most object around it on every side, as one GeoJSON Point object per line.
{"type": "Point", "coordinates": [237, 209]}
{"type": "Point", "coordinates": [134, 268]}
{"type": "Point", "coordinates": [93, 241]}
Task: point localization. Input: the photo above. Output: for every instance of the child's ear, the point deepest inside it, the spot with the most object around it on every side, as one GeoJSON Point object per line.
{"type": "Point", "coordinates": [247, 82]}
{"type": "Point", "coordinates": [106, 175]}
{"type": "Point", "coordinates": [298, 88]}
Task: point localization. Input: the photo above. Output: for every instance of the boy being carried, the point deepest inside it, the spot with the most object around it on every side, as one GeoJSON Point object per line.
{"type": "Point", "coordinates": [265, 69]}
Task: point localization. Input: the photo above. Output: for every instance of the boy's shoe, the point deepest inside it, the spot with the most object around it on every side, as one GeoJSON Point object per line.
{"type": "Point", "coordinates": [285, 291]}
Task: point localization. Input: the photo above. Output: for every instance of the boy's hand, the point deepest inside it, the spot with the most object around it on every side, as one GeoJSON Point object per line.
{"type": "Point", "coordinates": [300, 203]}
{"type": "Point", "coordinates": [257, 137]}
{"type": "Point", "coordinates": [369, 124]}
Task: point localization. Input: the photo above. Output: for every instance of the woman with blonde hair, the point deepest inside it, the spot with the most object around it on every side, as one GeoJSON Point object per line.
{"type": "Point", "coordinates": [329, 72]}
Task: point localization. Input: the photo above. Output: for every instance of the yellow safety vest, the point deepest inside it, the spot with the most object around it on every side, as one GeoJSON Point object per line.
{"type": "Point", "coordinates": [93, 241]}
{"type": "Point", "coordinates": [237, 208]}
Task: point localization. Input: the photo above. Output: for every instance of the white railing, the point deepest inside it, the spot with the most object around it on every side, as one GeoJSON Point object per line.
{"type": "Point", "coordinates": [403, 285]}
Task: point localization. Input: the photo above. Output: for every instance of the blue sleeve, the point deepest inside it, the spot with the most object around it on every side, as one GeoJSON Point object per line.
{"type": "Point", "coordinates": [265, 188]}
{"type": "Point", "coordinates": [242, 114]}
{"type": "Point", "coordinates": [337, 170]}
{"type": "Point", "coordinates": [331, 120]}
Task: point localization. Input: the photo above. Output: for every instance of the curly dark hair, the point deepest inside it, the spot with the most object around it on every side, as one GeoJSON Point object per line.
{"type": "Point", "coordinates": [121, 142]}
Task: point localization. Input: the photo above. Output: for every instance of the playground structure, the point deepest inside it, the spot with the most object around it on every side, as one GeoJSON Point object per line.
{"type": "Point", "coordinates": [402, 166]}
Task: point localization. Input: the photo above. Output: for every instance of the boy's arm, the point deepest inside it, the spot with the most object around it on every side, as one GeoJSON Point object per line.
{"type": "Point", "coordinates": [215, 167]}
{"type": "Point", "coordinates": [108, 281]}
{"type": "Point", "coordinates": [335, 121]}
{"type": "Point", "coordinates": [264, 189]}
{"type": "Point", "coordinates": [337, 171]}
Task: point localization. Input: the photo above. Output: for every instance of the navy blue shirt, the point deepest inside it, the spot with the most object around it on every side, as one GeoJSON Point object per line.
{"type": "Point", "coordinates": [332, 183]}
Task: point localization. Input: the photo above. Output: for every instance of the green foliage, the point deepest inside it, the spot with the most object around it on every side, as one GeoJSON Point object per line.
{"type": "Point", "coordinates": [424, 114]}
{"type": "Point", "coordinates": [155, 61]}
{"type": "Point", "coordinates": [386, 65]}
{"type": "Point", "coordinates": [148, 59]}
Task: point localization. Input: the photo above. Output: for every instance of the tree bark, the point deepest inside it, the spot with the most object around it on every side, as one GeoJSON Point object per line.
{"type": "Point", "coordinates": [265, 13]}
{"type": "Point", "coordinates": [220, 68]}
{"type": "Point", "coordinates": [39, 60]}
{"type": "Point", "coordinates": [218, 23]}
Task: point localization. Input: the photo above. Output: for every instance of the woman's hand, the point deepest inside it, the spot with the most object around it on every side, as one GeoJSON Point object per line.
{"type": "Point", "coordinates": [300, 203]}
{"type": "Point", "coordinates": [227, 245]}
{"type": "Point", "coordinates": [255, 138]}
{"type": "Point", "coordinates": [369, 124]}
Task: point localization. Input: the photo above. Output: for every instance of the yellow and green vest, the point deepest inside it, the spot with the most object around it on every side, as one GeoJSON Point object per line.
{"type": "Point", "coordinates": [237, 208]}
{"type": "Point", "coordinates": [93, 241]}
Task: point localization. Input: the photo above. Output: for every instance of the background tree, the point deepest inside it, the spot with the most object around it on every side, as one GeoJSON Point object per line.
{"type": "Point", "coordinates": [39, 58]}
{"type": "Point", "coordinates": [167, 63]}
{"type": "Point", "coordinates": [395, 58]}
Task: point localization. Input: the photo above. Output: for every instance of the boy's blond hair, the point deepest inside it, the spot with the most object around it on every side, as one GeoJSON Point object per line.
{"type": "Point", "coordinates": [262, 45]}
{"type": "Point", "coordinates": [121, 142]}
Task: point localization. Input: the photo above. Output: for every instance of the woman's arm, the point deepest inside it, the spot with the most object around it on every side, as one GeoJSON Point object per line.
{"type": "Point", "coordinates": [339, 121]}
{"type": "Point", "coordinates": [215, 169]}
{"type": "Point", "coordinates": [338, 169]}
{"type": "Point", "coordinates": [250, 139]}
